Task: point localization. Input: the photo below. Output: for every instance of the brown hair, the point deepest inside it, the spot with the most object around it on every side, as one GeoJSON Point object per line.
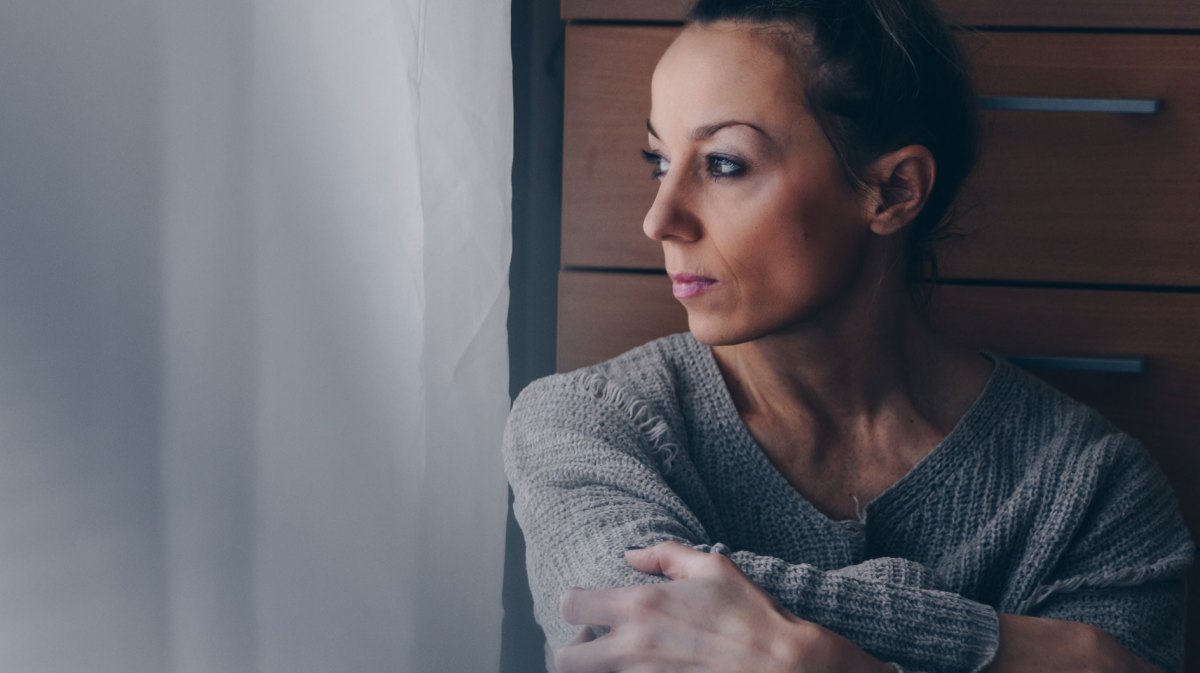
{"type": "Point", "coordinates": [880, 74]}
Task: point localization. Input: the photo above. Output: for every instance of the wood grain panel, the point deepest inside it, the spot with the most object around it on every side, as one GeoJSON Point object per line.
{"type": "Point", "coordinates": [1086, 197]}
{"type": "Point", "coordinates": [606, 186]}
{"type": "Point", "coordinates": [626, 10]}
{"type": "Point", "coordinates": [601, 315]}
{"type": "Point", "coordinates": [1058, 197]}
{"type": "Point", "coordinates": [1075, 13]}
{"type": "Point", "coordinates": [1021, 13]}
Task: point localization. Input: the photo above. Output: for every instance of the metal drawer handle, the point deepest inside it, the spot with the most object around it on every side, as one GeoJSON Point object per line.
{"type": "Point", "coordinates": [1138, 106]}
{"type": "Point", "coordinates": [1133, 364]}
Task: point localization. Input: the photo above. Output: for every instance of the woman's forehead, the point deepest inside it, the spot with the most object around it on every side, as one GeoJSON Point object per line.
{"type": "Point", "coordinates": [724, 71]}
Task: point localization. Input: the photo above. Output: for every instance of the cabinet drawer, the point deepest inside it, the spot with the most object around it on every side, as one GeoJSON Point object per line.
{"type": "Point", "coordinates": [1157, 405]}
{"type": "Point", "coordinates": [1085, 197]}
{"type": "Point", "coordinates": [1091, 197]}
{"type": "Point", "coordinates": [1058, 14]}
{"type": "Point", "coordinates": [601, 315]}
{"type": "Point", "coordinates": [626, 10]}
{"type": "Point", "coordinates": [606, 186]}
{"type": "Point", "coordinates": [1075, 13]}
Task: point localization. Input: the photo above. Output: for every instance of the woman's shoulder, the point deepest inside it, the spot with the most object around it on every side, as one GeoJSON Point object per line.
{"type": "Point", "coordinates": [651, 373]}
{"type": "Point", "coordinates": [1070, 453]}
{"type": "Point", "coordinates": [630, 403]}
{"type": "Point", "coordinates": [1044, 422]}
{"type": "Point", "coordinates": [1090, 478]}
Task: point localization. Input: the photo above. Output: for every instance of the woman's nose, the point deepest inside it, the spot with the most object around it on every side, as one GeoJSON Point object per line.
{"type": "Point", "coordinates": [670, 216]}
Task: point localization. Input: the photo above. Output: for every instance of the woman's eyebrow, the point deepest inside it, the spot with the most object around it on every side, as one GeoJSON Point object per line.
{"type": "Point", "coordinates": [709, 130]}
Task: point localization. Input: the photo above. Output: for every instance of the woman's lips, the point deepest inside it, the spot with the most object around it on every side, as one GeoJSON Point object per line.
{"type": "Point", "coordinates": [686, 285]}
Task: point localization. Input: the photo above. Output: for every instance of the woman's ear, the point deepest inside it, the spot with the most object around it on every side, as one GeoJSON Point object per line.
{"type": "Point", "coordinates": [901, 181]}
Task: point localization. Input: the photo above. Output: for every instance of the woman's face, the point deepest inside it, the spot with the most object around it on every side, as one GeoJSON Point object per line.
{"type": "Point", "coordinates": [759, 227]}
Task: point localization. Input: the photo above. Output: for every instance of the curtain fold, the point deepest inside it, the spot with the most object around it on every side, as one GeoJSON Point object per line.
{"type": "Point", "coordinates": [337, 248]}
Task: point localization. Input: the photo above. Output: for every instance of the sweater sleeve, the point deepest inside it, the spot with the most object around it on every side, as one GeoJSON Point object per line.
{"type": "Point", "coordinates": [1124, 569]}
{"type": "Point", "coordinates": [587, 485]}
{"type": "Point", "coordinates": [920, 629]}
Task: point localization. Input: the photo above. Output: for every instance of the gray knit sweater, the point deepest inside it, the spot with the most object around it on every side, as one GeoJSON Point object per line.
{"type": "Point", "coordinates": [1033, 505]}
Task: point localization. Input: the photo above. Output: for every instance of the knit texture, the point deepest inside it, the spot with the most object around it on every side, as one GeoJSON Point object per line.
{"type": "Point", "coordinates": [1033, 505]}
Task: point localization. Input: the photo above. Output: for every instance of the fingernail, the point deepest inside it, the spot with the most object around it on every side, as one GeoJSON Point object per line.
{"type": "Point", "coordinates": [628, 549]}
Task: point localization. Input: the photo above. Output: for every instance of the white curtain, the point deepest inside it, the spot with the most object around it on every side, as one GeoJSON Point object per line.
{"type": "Point", "coordinates": [352, 297]}
{"type": "Point", "coordinates": [300, 344]}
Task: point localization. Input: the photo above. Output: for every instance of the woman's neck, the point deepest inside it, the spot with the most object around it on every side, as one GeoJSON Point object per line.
{"type": "Point", "coordinates": [856, 373]}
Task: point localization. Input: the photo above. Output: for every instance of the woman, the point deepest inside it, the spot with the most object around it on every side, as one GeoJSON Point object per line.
{"type": "Point", "coordinates": [810, 480]}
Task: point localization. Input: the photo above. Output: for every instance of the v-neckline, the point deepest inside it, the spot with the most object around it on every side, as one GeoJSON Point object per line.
{"type": "Point", "coordinates": [979, 419]}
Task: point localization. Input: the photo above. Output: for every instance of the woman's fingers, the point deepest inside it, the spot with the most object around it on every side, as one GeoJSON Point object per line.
{"type": "Point", "coordinates": [662, 647]}
{"type": "Point", "coordinates": [709, 618]}
{"type": "Point", "coordinates": [608, 607]}
{"type": "Point", "coordinates": [585, 635]}
{"type": "Point", "coordinates": [673, 560]}
{"type": "Point", "coordinates": [593, 656]}
{"type": "Point", "coordinates": [709, 574]}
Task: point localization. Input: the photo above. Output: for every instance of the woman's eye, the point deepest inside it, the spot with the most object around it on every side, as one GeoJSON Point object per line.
{"type": "Point", "coordinates": [723, 167]}
{"type": "Point", "coordinates": [658, 165]}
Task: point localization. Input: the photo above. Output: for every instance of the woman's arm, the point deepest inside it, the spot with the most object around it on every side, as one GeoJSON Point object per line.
{"type": "Point", "coordinates": [1102, 628]}
{"type": "Point", "coordinates": [586, 487]}
{"type": "Point", "coordinates": [1037, 645]}
{"type": "Point", "coordinates": [710, 618]}
{"type": "Point", "coordinates": [1121, 574]}
{"type": "Point", "coordinates": [1116, 598]}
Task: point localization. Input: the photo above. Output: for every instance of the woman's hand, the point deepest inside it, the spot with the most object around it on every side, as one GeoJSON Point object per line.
{"type": "Point", "coordinates": [709, 619]}
{"type": "Point", "coordinates": [1036, 645]}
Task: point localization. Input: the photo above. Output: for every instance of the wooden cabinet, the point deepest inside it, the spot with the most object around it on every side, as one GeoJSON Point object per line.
{"type": "Point", "coordinates": [639, 307]}
{"type": "Point", "coordinates": [1085, 196]}
{"type": "Point", "coordinates": [1081, 228]}
{"type": "Point", "coordinates": [1142, 14]}
{"type": "Point", "coordinates": [606, 186]}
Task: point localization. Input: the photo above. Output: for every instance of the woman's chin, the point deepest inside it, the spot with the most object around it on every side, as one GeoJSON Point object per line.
{"type": "Point", "coordinates": [713, 331]}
